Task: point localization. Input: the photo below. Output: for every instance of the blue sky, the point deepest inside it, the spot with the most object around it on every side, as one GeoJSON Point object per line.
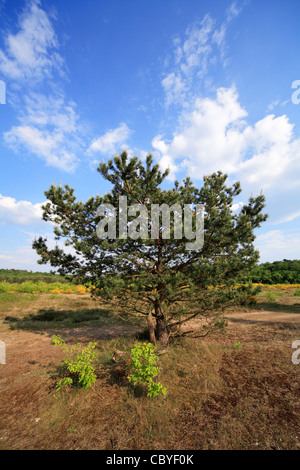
{"type": "Point", "coordinates": [203, 85]}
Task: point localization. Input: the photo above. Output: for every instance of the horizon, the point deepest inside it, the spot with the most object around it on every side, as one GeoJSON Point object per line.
{"type": "Point", "coordinates": [203, 86]}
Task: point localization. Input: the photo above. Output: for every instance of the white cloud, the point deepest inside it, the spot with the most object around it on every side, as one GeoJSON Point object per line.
{"type": "Point", "coordinates": [165, 161]}
{"type": "Point", "coordinates": [53, 110]}
{"type": "Point", "coordinates": [288, 218]}
{"type": "Point", "coordinates": [210, 137]}
{"type": "Point", "coordinates": [23, 257]}
{"type": "Point", "coordinates": [48, 123]}
{"type": "Point", "coordinates": [49, 129]}
{"type": "Point", "coordinates": [45, 144]}
{"type": "Point", "coordinates": [175, 88]}
{"type": "Point", "coordinates": [19, 212]}
{"type": "Point", "coordinates": [196, 48]}
{"type": "Point", "coordinates": [275, 153]}
{"type": "Point", "coordinates": [31, 53]}
{"type": "Point", "coordinates": [219, 36]}
{"type": "Point", "coordinates": [190, 56]}
{"type": "Point", "coordinates": [203, 46]}
{"type": "Point", "coordinates": [111, 141]}
{"type": "Point", "coordinates": [233, 11]}
{"type": "Point", "coordinates": [277, 245]}
{"type": "Point", "coordinates": [215, 136]}
{"type": "Point", "coordinates": [235, 207]}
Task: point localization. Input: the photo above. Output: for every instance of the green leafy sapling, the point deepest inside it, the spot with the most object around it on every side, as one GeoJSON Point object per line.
{"type": "Point", "coordinates": [144, 368]}
{"type": "Point", "coordinates": [78, 364]}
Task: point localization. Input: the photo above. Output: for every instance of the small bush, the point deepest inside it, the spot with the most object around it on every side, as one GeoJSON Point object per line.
{"type": "Point", "coordinates": [271, 296]}
{"type": "Point", "coordinates": [39, 287]}
{"type": "Point", "coordinates": [144, 368]}
{"type": "Point", "coordinates": [78, 364]}
{"type": "Point", "coordinates": [248, 300]}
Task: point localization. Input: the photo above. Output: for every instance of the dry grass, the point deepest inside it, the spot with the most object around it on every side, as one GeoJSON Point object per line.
{"type": "Point", "coordinates": [47, 311]}
{"type": "Point", "coordinates": [220, 395]}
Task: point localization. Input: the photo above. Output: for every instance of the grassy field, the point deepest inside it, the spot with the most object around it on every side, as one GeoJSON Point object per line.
{"type": "Point", "coordinates": [233, 390]}
{"type": "Point", "coordinates": [39, 287]}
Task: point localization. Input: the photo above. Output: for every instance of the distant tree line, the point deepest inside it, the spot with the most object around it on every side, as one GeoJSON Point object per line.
{"type": "Point", "coordinates": [19, 276]}
{"type": "Point", "coordinates": [278, 272]}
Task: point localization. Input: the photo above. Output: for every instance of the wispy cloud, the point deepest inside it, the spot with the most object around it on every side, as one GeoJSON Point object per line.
{"type": "Point", "coordinates": [288, 217]}
{"type": "Point", "coordinates": [31, 53]}
{"type": "Point", "coordinates": [48, 124]}
{"type": "Point", "coordinates": [24, 257]}
{"type": "Point", "coordinates": [53, 110]}
{"type": "Point", "coordinates": [110, 142]}
{"type": "Point", "coordinates": [219, 35]}
{"type": "Point", "coordinates": [275, 103]}
{"type": "Point", "coordinates": [203, 46]}
{"type": "Point", "coordinates": [175, 88]}
{"type": "Point", "coordinates": [276, 245]}
{"type": "Point", "coordinates": [49, 128]}
{"type": "Point", "coordinates": [190, 57]}
{"type": "Point", "coordinates": [212, 131]}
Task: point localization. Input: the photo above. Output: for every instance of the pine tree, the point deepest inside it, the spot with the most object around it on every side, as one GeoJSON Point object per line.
{"type": "Point", "coordinates": [157, 277]}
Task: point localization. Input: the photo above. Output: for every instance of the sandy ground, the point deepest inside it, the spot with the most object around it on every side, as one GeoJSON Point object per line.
{"type": "Point", "coordinates": [265, 317]}
{"type": "Point", "coordinates": [25, 384]}
{"type": "Point", "coordinates": [24, 348]}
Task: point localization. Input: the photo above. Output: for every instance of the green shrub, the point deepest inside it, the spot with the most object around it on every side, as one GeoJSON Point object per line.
{"type": "Point", "coordinates": [144, 368]}
{"type": "Point", "coordinates": [31, 286]}
{"type": "Point", "coordinates": [4, 286]}
{"type": "Point", "coordinates": [297, 293]}
{"type": "Point", "coordinates": [78, 365]}
{"type": "Point", "coordinates": [271, 296]}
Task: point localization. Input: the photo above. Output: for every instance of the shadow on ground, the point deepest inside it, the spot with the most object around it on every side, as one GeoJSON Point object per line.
{"type": "Point", "coordinates": [280, 316]}
{"type": "Point", "coordinates": [83, 324]}
{"type": "Point", "coordinates": [51, 318]}
{"type": "Point", "coordinates": [275, 307]}
{"type": "Point", "coordinates": [280, 325]}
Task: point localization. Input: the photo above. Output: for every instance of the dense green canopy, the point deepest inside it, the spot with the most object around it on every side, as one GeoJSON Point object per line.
{"type": "Point", "coordinates": [154, 276]}
{"type": "Point", "coordinates": [278, 272]}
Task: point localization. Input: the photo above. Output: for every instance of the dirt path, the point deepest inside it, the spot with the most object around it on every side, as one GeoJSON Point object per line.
{"type": "Point", "coordinates": [25, 379]}
{"type": "Point", "coordinates": [30, 417]}
{"type": "Point", "coordinates": [24, 347]}
{"type": "Point", "coordinates": [263, 316]}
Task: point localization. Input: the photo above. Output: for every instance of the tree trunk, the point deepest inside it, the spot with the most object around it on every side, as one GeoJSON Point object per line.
{"type": "Point", "coordinates": [162, 331]}
{"type": "Point", "coordinates": [151, 328]}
